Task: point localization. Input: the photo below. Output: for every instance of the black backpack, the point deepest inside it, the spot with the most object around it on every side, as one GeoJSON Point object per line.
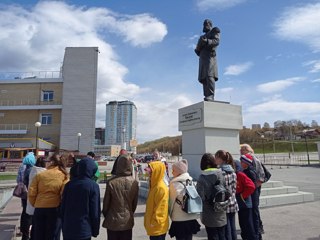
{"type": "Point", "coordinates": [267, 174]}
{"type": "Point", "coordinates": [221, 197]}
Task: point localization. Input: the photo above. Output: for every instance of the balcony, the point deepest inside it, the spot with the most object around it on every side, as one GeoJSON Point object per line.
{"type": "Point", "coordinates": [29, 104]}
{"type": "Point", "coordinates": [20, 128]}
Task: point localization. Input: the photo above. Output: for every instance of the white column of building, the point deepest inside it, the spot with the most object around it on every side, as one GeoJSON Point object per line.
{"type": "Point", "coordinates": [79, 73]}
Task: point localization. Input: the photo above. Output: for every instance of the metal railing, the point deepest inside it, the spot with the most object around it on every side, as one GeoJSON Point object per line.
{"type": "Point", "coordinates": [30, 75]}
{"type": "Point", "coordinates": [287, 159]}
{"type": "Point", "coordinates": [19, 126]}
{"type": "Point", "coordinates": [28, 102]}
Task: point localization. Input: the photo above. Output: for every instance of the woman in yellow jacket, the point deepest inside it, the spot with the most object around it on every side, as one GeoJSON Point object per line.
{"type": "Point", "coordinates": [44, 195]}
{"type": "Point", "coordinates": [156, 219]}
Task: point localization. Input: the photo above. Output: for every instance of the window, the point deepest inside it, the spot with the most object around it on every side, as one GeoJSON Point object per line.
{"type": "Point", "coordinates": [46, 118]}
{"type": "Point", "coordinates": [47, 96]}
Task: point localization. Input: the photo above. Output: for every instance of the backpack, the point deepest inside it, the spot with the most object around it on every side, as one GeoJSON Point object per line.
{"type": "Point", "coordinates": [221, 197]}
{"type": "Point", "coordinates": [267, 174]}
{"type": "Point", "coordinates": [191, 201]}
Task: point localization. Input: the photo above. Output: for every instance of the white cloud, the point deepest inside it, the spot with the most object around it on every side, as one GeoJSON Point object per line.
{"type": "Point", "coordinates": [217, 4]}
{"type": "Point", "coordinates": [278, 85]}
{"type": "Point", "coordinates": [300, 24]}
{"type": "Point", "coordinates": [34, 40]}
{"type": "Point", "coordinates": [224, 90]}
{"type": "Point", "coordinates": [238, 69]}
{"type": "Point", "coordinates": [316, 80]}
{"type": "Point", "coordinates": [315, 66]}
{"type": "Point", "coordinates": [140, 30]}
{"type": "Point", "coordinates": [276, 109]}
{"type": "Point", "coordinates": [163, 117]}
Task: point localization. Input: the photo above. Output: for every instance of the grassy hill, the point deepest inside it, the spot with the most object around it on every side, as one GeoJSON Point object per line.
{"type": "Point", "coordinates": [173, 145]}
{"type": "Point", "coordinates": [165, 144]}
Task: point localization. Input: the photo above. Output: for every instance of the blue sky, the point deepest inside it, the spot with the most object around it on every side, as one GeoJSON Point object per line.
{"type": "Point", "coordinates": [268, 56]}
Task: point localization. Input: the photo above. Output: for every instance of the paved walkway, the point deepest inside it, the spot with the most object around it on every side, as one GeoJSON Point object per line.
{"type": "Point", "coordinates": [290, 222]}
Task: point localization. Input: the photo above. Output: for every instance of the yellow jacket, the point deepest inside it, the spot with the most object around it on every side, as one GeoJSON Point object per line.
{"type": "Point", "coordinates": [46, 188]}
{"type": "Point", "coordinates": [156, 220]}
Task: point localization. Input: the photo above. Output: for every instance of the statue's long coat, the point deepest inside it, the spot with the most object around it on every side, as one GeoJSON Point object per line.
{"type": "Point", "coordinates": [208, 66]}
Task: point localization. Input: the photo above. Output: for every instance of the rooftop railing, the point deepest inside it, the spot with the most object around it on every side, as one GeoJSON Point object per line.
{"type": "Point", "coordinates": [30, 75]}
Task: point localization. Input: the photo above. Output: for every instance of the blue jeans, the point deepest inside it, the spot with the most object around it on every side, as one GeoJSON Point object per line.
{"type": "Point", "coordinates": [231, 231]}
{"type": "Point", "coordinates": [246, 224]}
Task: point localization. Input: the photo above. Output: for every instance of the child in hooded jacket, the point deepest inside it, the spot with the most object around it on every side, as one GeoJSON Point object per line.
{"type": "Point", "coordinates": [214, 220]}
{"type": "Point", "coordinates": [156, 219]}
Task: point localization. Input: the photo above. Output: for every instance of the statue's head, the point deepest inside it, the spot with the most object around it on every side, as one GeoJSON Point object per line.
{"type": "Point", "coordinates": [207, 25]}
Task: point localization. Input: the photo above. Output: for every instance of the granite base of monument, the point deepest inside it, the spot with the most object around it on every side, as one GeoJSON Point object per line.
{"type": "Point", "coordinates": [207, 127]}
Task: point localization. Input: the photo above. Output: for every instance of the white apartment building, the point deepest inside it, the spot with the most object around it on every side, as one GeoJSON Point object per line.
{"type": "Point", "coordinates": [121, 124]}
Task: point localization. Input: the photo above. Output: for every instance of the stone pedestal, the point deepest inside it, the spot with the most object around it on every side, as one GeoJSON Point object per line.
{"type": "Point", "coordinates": [208, 127]}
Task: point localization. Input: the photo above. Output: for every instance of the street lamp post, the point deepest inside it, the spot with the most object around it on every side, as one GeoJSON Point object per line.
{"type": "Point", "coordinates": [264, 156]}
{"type": "Point", "coordinates": [305, 139]}
{"type": "Point", "coordinates": [124, 138]}
{"type": "Point", "coordinates": [37, 125]}
{"type": "Point", "coordinates": [79, 136]}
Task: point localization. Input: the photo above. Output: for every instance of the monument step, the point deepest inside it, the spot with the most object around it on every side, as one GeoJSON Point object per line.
{"type": "Point", "coordinates": [284, 199]}
{"type": "Point", "coordinates": [272, 184]}
{"type": "Point", "coordinates": [278, 190]}
{"type": "Point", "coordinates": [274, 194]}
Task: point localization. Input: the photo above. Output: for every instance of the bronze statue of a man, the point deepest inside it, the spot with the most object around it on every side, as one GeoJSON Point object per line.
{"type": "Point", "coordinates": [206, 50]}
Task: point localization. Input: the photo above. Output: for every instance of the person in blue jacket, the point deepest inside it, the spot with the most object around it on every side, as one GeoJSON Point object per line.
{"type": "Point", "coordinates": [80, 206]}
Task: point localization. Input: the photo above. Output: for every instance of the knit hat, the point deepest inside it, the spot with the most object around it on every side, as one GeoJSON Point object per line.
{"type": "Point", "coordinates": [247, 158]}
{"type": "Point", "coordinates": [180, 167]}
{"type": "Point", "coordinates": [29, 159]}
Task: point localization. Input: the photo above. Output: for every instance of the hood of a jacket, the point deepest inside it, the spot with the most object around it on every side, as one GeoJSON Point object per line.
{"type": "Point", "coordinates": [158, 169]}
{"type": "Point", "coordinates": [182, 177]}
{"type": "Point", "coordinates": [211, 175]}
{"type": "Point", "coordinates": [227, 168]}
{"type": "Point", "coordinates": [86, 168]}
{"type": "Point", "coordinates": [238, 165]}
{"type": "Point", "coordinates": [124, 166]}
{"type": "Point", "coordinates": [29, 159]}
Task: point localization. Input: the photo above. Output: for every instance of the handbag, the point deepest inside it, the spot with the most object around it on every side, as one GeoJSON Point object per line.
{"type": "Point", "coordinates": [20, 191]}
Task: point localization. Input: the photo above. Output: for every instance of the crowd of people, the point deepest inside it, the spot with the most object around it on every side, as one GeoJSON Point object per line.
{"type": "Point", "coordinates": [68, 202]}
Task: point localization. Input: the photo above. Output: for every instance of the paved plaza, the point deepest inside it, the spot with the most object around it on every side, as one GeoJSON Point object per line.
{"type": "Point", "coordinates": [289, 222]}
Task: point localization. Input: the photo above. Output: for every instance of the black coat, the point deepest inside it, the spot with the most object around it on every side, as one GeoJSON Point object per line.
{"type": "Point", "coordinates": [80, 206]}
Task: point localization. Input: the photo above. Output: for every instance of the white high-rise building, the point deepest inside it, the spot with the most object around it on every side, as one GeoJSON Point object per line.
{"type": "Point", "coordinates": [121, 124]}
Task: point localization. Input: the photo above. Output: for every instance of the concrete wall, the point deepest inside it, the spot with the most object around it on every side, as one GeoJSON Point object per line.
{"type": "Point", "coordinates": [27, 118]}
{"type": "Point", "coordinates": [28, 93]}
{"type": "Point", "coordinates": [79, 98]}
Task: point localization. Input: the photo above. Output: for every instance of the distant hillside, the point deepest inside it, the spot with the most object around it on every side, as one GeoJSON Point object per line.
{"type": "Point", "coordinates": [171, 144]}
{"type": "Point", "coordinates": [165, 144]}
